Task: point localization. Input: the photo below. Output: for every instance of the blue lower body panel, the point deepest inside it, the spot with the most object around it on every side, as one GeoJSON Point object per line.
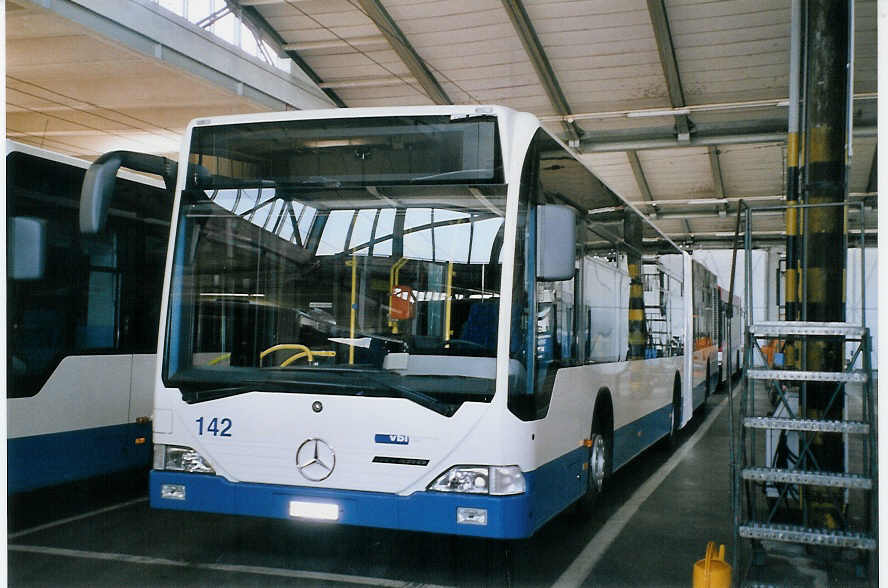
{"type": "Point", "coordinates": [632, 439]}
{"type": "Point", "coordinates": [508, 517]}
{"type": "Point", "coordinates": [47, 460]}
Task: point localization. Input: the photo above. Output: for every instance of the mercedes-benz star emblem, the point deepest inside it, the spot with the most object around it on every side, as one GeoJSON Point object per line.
{"type": "Point", "coordinates": [315, 460]}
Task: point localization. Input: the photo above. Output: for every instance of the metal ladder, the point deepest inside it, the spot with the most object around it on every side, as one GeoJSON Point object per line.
{"type": "Point", "coordinates": [763, 486]}
{"type": "Point", "coordinates": [753, 474]}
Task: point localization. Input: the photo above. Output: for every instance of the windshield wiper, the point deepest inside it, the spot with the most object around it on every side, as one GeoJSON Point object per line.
{"type": "Point", "coordinates": [193, 392]}
{"type": "Point", "coordinates": [416, 396]}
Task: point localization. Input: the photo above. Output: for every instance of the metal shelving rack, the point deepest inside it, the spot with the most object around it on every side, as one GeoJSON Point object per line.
{"type": "Point", "coordinates": [781, 410]}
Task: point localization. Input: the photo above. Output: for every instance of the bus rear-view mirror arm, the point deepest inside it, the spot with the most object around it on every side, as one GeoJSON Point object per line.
{"type": "Point", "coordinates": [98, 183]}
{"type": "Point", "coordinates": [556, 242]}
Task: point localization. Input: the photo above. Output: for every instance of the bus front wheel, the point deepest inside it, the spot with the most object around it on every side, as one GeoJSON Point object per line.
{"type": "Point", "coordinates": [598, 466]}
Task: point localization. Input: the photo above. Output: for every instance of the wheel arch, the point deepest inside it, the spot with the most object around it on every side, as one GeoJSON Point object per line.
{"type": "Point", "coordinates": [603, 414]}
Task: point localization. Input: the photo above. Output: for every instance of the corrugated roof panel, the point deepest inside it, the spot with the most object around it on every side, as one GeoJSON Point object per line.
{"type": "Point", "coordinates": [439, 37]}
{"type": "Point", "coordinates": [455, 38]}
{"type": "Point", "coordinates": [615, 171]}
{"type": "Point", "coordinates": [297, 35]}
{"type": "Point", "coordinates": [708, 8]}
{"type": "Point", "coordinates": [358, 65]}
{"type": "Point", "coordinates": [678, 173]}
{"type": "Point", "coordinates": [596, 49]}
{"type": "Point", "coordinates": [754, 169]}
{"type": "Point", "coordinates": [350, 58]}
{"type": "Point", "coordinates": [865, 45]}
{"type": "Point", "coordinates": [314, 7]}
{"type": "Point", "coordinates": [520, 71]}
{"type": "Point", "coordinates": [731, 51]}
{"type": "Point", "coordinates": [403, 95]}
{"type": "Point", "coordinates": [861, 163]}
{"type": "Point", "coordinates": [671, 227]}
{"type": "Point", "coordinates": [423, 22]}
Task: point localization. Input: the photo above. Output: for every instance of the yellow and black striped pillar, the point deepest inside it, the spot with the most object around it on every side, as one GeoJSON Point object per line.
{"type": "Point", "coordinates": [632, 235]}
{"type": "Point", "coordinates": [825, 228]}
{"type": "Point", "coordinates": [793, 245]}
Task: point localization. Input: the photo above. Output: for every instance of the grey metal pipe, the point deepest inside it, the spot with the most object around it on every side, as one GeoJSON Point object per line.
{"type": "Point", "coordinates": [795, 64]}
{"type": "Point", "coordinates": [590, 146]}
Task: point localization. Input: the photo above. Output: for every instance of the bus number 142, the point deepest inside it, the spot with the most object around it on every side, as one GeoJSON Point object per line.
{"type": "Point", "coordinates": [213, 427]}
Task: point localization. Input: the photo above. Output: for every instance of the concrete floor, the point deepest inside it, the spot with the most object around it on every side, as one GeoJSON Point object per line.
{"type": "Point", "coordinates": [647, 530]}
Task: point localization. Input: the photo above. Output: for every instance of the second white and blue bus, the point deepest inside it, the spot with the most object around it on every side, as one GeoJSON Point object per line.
{"type": "Point", "coordinates": [82, 314]}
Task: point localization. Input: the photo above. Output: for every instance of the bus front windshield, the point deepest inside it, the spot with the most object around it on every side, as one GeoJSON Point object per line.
{"type": "Point", "coordinates": [339, 257]}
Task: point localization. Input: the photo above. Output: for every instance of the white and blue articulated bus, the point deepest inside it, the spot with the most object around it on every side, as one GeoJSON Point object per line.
{"type": "Point", "coordinates": [730, 335]}
{"type": "Point", "coordinates": [82, 314]}
{"type": "Point", "coordinates": [430, 318]}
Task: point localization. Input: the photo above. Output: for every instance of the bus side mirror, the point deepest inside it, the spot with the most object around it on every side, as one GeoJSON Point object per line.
{"type": "Point", "coordinates": [556, 242]}
{"type": "Point", "coordinates": [27, 243]}
{"type": "Point", "coordinates": [99, 180]}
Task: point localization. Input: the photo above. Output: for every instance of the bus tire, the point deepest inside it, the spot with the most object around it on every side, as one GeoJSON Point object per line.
{"type": "Point", "coordinates": [599, 464]}
{"type": "Point", "coordinates": [708, 383]}
{"type": "Point", "coordinates": [674, 414]}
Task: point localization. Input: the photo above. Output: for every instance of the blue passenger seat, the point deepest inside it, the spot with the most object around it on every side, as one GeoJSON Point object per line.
{"type": "Point", "coordinates": [480, 326]}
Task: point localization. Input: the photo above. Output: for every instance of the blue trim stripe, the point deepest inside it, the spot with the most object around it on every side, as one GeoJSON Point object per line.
{"type": "Point", "coordinates": [550, 489]}
{"type": "Point", "coordinates": [508, 516]}
{"type": "Point", "coordinates": [46, 460]}
{"type": "Point", "coordinates": [632, 439]}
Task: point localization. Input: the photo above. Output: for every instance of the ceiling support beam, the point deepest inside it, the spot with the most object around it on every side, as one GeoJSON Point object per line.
{"type": "Point", "coordinates": [255, 18]}
{"type": "Point", "coordinates": [643, 186]}
{"type": "Point", "coordinates": [537, 55]}
{"type": "Point", "coordinates": [368, 41]}
{"type": "Point", "coordinates": [772, 199]}
{"type": "Point", "coordinates": [717, 179]}
{"type": "Point", "coordinates": [764, 211]}
{"type": "Point", "coordinates": [657, 12]}
{"type": "Point", "coordinates": [367, 82]}
{"type": "Point", "coordinates": [760, 239]}
{"type": "Point", "coordinates": [873, 183]}
{"type": "Point", "coordinates": [399, 43]}
{"type": "Point", "coordinates": [645, 139]}
{"type": "Point", "coordinates": [640, 178]}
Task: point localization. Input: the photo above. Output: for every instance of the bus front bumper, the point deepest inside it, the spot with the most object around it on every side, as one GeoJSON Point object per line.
{"type": "Point", "coordinates": [503, 517]}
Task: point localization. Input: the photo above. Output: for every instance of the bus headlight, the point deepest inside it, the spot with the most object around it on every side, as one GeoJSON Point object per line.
{"type": "Point", "coordinates": [180, 459]}
{"type": "Point", "coordinates": [493, 480]}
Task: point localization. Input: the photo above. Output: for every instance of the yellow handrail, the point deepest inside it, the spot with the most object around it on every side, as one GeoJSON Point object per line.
{"type": "Point", "coordinates": [293, 358]}
{"type": "Point", "coordinates": [219, 359]}
{"type": "Point", "coordinates": [285, 346]}
{"type": "Point", "coordinates": [311, 356]}
{"type": "Point", "coordinates": [447, 306]}
{"type": "Point", "coordinates": [354, 310]}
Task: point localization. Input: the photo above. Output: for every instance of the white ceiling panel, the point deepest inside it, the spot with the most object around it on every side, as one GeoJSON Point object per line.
{"type": "Point", "coordinates": [861, 164]}
{"type": "Point", "coordinates": [678, 173]}
{"type": "Point", "coordinates": [753, 170]}
{"type": "Point", "coordinates": [456, 38]}
{"type": "Point", "coordinates": [617, 38]}
{"type": "Point", "coordinates": [615, 171]}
